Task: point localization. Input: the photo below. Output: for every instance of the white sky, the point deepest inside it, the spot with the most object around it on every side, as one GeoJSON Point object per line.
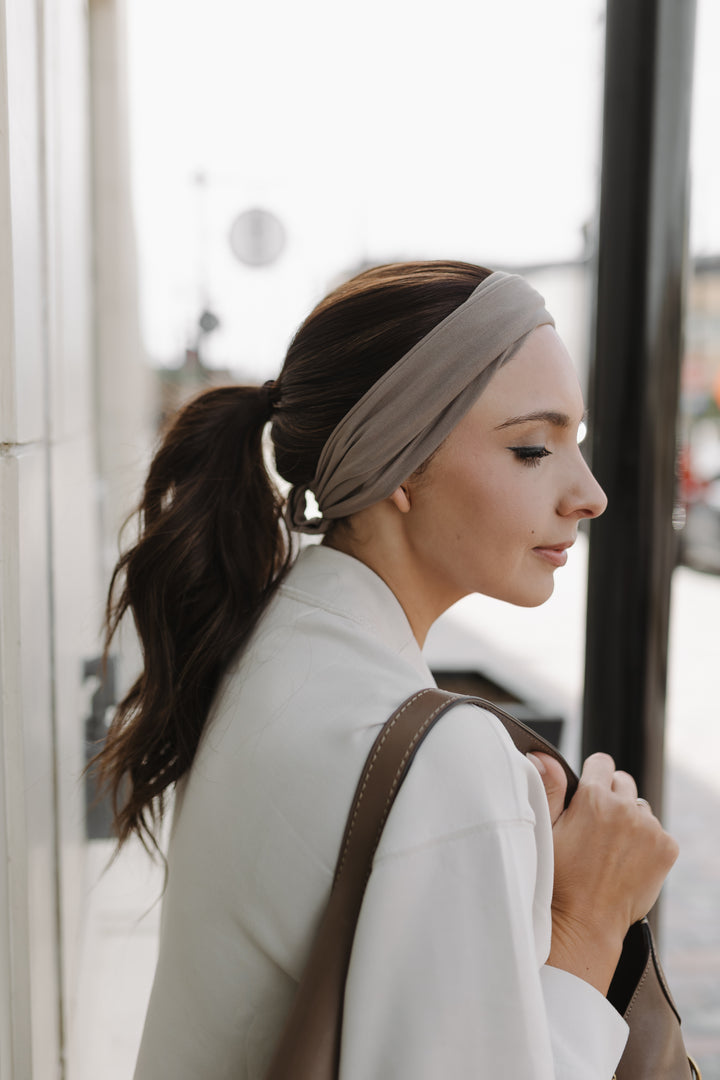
{"type": "Point", "coordinates": [398, 129]}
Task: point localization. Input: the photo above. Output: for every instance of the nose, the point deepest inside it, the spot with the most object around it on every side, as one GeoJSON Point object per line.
{"type": "Point", "coordinates": [583, 497]}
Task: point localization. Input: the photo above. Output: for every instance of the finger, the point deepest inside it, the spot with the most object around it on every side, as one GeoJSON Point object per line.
{"type": "Point", "coordinates": [624, 784]}
{"type": "Point", "coordinates": [598, 769]}
{"type": "Point", "coordinates": [554, 781]}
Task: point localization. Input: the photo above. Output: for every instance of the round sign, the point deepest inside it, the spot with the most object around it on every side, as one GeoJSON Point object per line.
{"type": "Point", "coordinates": [208, 322]}
{"type": "Point", "coordinates": [257, 237]}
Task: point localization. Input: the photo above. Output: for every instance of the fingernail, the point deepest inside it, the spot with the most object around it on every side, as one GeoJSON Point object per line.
{"type": "Point", "coordinates": [538, 763]}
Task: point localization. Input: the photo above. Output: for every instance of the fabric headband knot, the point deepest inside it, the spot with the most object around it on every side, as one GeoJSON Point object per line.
{"type": "Point", "coordinates": [413, 407]}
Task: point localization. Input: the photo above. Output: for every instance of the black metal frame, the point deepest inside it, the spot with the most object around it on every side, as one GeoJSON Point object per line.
{"type": "Point", "coordinates": [633, 392]}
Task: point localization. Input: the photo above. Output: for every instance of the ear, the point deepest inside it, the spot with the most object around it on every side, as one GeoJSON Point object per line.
{"type": "Point", "coordinates": [401, 499]}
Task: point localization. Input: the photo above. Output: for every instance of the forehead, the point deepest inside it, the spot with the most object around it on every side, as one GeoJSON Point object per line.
{"type": "Point", "coordinates": [540, 377]}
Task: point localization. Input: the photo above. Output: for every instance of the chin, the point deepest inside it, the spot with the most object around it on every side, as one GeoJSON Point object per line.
{"type": "Point", "coordinates": [519, 588]}
{"type": "Point", "coordinates": [531, 603]}
{"type": "Point", "coordinates": [531, 597]}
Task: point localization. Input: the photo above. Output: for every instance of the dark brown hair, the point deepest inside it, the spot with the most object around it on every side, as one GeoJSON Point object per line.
{"type": "Point", "coordinates": [212, 546]}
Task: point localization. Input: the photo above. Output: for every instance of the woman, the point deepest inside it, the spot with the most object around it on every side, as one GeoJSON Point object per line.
{"type": "Point", "coordinates": [433, 411]}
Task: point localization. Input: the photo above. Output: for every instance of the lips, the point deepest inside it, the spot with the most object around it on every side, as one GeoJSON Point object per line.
{"type": "Point", "coordinates": [555, 554]}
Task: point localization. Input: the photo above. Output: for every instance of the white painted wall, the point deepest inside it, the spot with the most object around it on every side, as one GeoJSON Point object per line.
{"type": "Point", "coordinates": [30, 1033]}
{"type": "Point", "coordinates": [53, 388]}
{"type": "Point", "coordinates": [124, 388]}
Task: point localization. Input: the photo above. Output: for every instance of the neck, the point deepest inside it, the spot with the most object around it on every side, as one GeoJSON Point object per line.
{"type": "Point", "coordinates": [391, 559]}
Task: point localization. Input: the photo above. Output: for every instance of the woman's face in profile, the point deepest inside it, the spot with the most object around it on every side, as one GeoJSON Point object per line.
{"type": "Point", "coordinates": [499, 504]}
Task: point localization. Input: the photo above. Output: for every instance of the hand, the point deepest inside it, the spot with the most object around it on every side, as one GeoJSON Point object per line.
{"type": "Point", "coordinates": [611, 858]}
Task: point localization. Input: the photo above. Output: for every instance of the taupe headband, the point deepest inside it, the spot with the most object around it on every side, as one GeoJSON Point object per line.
{"type": "Point", "coordinates": [412, 408]}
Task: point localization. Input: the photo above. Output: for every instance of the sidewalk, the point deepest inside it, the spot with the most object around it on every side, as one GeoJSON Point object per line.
{"type": "Point", "coordinates": [690, 920]}
{"type": "Point", "coordinates": [122, 924]}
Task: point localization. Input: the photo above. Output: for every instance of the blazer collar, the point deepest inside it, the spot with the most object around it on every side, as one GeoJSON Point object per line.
{"type": "Point", "coordinates": [325, 578]}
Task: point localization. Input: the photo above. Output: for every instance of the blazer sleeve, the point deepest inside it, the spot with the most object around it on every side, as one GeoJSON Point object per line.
{"type": "Point", "coordinates": [448, 974]}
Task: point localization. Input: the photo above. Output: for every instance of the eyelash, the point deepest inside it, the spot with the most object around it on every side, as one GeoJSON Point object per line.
{"type": "Point", "coordinates": [530, 455]}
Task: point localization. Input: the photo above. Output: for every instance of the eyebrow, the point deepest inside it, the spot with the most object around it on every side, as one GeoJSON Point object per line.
{"type": "Point", "coordinates": [557, 419]}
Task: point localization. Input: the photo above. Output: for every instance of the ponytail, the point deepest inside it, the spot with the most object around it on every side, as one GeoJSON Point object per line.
{"type": "Point", "coordinates": [211, 551]}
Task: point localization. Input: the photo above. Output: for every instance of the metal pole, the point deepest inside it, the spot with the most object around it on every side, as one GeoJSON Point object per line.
{"type": "Point", "coordinates": [635, 379]}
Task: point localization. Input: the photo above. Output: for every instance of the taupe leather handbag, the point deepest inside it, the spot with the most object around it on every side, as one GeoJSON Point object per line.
{"type": "Point", "coordinates": [309, 1048]}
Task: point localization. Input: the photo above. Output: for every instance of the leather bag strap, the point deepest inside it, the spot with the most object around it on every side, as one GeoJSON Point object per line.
{"type": "Point", "coordinates": [388, 764]}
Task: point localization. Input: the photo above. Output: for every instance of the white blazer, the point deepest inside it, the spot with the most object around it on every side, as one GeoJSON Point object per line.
{"type": "Point", "coordinates": [448, 976]}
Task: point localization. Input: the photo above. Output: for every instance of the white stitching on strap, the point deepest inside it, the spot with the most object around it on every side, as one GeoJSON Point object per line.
{"type": "Point", "coordinates": [371, 765]}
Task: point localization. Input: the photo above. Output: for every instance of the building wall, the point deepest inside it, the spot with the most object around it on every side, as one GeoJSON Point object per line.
{"type": "Point", "coordinates": [52, 563]}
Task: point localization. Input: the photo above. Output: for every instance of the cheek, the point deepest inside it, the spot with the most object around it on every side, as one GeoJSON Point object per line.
{"type": "Point", "coordinates": [498, 493]}
{"type": "Point", "coordinates": [468, 494]}
{"type": "Point", "coordinates": [505, 513]}
{"type": "Point", "coordinates": [475, 509]}
{"type": "Point", "coordinates": [472, 495]}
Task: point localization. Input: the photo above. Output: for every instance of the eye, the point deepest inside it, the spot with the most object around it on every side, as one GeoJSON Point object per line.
{"type": "Point", "coordinates": [530, 455]}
